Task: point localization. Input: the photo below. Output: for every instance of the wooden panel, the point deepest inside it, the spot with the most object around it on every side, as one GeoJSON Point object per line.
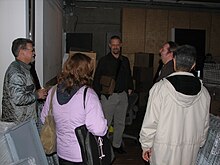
{"type": "Point", "coordinates": [131, 60]}
{"type": "Point", "coordinates": [146, 30]}
{"type": "Point", "coordinates": [201, 20]}
{"type": "Point", "coordinates": [133, 30]}
{"type": "Point", "coordinates": [156, 32]}
{"type": "Point", "coordinates": [178, 19]}
{"type": "Point", "coordinates": [215, 35]}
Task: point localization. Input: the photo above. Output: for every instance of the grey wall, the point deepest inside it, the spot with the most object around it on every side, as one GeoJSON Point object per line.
{"type": "Point", "coordinates": [98, 20]}
{"type": "Point", "coordinates": [48, 38]}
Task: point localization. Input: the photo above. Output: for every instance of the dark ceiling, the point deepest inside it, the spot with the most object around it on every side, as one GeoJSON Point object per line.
{"type": "Point", "coordinates": [178, 4]}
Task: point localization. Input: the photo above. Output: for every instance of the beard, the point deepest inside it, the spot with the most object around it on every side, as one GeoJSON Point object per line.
{"type": "Point", "coordinates": [116, 51]}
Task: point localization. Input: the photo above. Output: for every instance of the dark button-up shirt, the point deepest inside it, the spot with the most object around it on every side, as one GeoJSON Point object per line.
{"type": "Point", "coordinates": [118, 68]}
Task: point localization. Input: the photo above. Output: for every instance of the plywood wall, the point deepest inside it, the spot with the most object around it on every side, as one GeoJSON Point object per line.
{"type": "Point", "coordinates": [202, 20]}
{"type": "Point", "coordinates": [156, 32]}
{"type": "Point", "coordinates": [133, 32]}
{"type": "Point", "coordinates": [215, 37]}
{"type": "Point", "coordinates": [145, 30]}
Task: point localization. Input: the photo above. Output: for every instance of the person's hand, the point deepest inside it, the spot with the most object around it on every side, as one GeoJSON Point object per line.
{"type": "Point", "coordinates": [146, 155]}
{"type": "Point", "coordinates": [42, 93]}
{"type": "Point", "coordinates": [129, 91]}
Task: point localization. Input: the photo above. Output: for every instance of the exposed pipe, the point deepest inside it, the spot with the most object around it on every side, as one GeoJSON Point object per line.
{"type": "Point", "coordinates": [175, 4]}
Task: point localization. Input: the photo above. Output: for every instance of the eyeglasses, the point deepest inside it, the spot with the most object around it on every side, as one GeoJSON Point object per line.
{"type": "Point", "coordinates": [32, 50]}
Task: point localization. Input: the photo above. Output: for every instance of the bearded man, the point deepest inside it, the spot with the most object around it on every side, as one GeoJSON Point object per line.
{"type": "Point", "coordinates": [113, 71]}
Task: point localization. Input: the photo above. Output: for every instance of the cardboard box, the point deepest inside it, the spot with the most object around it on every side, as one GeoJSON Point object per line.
{"type": "Point", "coordinates": [143, 74]}
{"type": "Point", "coordinates": [92, 55]}
{"type": "Point", "coordinates": [144, 59]}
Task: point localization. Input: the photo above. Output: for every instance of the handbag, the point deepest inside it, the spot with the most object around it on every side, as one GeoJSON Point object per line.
{"type": "Point", "coordinates": [95, 150]}
{"type": "Point", "coordinates": [48, 131]}
{"type": "Point", "coordinates": [108, 85]}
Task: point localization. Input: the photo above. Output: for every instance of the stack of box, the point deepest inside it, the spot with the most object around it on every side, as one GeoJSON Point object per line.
{"type": "Point", "coordinates": [143, 76]}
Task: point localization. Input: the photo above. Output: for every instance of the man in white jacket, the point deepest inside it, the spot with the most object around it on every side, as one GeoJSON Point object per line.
{"type": "Point", "coordinates": [176, 122]}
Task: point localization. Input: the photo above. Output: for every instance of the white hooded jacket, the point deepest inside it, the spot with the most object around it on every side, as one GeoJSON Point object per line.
{"type": "Point", "coordinates": [175, 125]}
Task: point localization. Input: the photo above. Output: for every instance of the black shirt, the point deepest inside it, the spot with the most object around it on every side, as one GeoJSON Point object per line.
{"type": "Point", "coordinates": [166, 70]}
{"type": "Point", "coordinates": [118, 68]}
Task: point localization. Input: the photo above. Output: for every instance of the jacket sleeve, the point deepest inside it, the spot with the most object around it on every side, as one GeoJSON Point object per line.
{"type": "Point", "coordinates": [95, 120]}
{"type": "Point", "coordinates": [20, 93]}
{"type": "Point", "coordinates": [205, 132]}
{"type": "Point", "coordinates": [151, 118]}
{"type": "Point", "coordinates": [206, 126]}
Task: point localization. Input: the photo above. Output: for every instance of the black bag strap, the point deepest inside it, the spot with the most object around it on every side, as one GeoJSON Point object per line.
{"type": "Point", "coordinates": [84, 97]}
{"type": "Point", "coordinates": [118, 68]}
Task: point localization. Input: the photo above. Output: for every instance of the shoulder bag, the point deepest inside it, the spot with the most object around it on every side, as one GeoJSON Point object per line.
{"type": "Point", "coordinates": [95, 150]}
{"type": "Point", "coordinates": [48, 131]}
{"type": "Point", "coordinates": [108, 83]}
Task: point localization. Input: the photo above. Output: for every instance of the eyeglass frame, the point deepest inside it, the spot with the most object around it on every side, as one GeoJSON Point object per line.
{"type": "Point", "coordinates": [33, 50]}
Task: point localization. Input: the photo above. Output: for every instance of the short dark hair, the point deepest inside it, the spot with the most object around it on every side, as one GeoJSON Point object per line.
{"type": "Point", "coordinates": [115, 37]}
{"type": "Point", "coordinates": [172, 45]}
{"type": "Point", "coordinates": [20, 43]}
{"type": "Point", "coordinates": [185, 57]}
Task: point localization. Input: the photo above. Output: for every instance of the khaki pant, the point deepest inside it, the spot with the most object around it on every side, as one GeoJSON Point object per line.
{"type": "Point", "coordinates": [115, 109]}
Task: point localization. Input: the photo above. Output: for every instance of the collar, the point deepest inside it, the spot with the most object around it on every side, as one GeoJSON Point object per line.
{"type": "Point", "coordinates": [181, 73]}
{"type": "Point", "coordinates": [26, 66]}
{"type": "Point", "coordinates": [169, 63]}
{"type": "Point", "coordinates": [113, 57]}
